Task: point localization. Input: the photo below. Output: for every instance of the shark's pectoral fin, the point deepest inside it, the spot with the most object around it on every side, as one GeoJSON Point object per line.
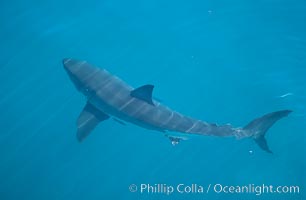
{"type": "Point", "coordinates": [144, 93]}
{"type": "Point", "coordinates": [119, 121]}
{"type": "Point", "coordinates": [89, 118]}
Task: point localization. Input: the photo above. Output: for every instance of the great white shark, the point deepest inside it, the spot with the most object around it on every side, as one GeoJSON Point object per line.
{"type": "Point", "coordinates": [108, 96]}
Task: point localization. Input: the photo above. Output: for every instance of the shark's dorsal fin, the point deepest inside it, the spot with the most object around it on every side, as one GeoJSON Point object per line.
{"type": "Point", "coordinates": [144, 93]}
{"type": "Point", "coordinates": [89, 118]}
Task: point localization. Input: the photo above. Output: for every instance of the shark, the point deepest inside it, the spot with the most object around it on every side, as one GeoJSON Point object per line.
{"type": "Point", "coordinates": [110, 97]}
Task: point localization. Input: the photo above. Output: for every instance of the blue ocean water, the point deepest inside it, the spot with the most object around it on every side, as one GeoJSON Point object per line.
{"type": "Point", "coordinates": [219, 61]}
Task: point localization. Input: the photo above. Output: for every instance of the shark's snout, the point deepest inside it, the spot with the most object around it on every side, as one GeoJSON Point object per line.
{"type": "Point", "coordinates": [70, 65]}
{"type": "Point", "coordinates": [65, 60]}
{"type": "Point", "coordinates": [81, 73]}
{"type": "Point", "coordinates": [72, 68]}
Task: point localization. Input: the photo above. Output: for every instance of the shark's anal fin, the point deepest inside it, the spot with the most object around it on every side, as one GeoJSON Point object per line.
{"type": "Point", "coordinates": [144, 93]}
{"type": "Point", "coordinates": [89, 118]}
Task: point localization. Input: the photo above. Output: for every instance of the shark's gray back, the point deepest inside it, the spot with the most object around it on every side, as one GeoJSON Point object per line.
{"type": "Point", "coordinates": [112, 95]}
{"type": "Point", "coordinates": [109, 96]}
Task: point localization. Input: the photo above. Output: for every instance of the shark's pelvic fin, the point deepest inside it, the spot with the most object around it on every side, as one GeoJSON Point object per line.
{"type": "Point", "coordinates": [258, 127]}
{"type": "Point", "coordinates": [175, 139]}
{"type": "Point", "coordinates": [144, 93]}
{"type": "Point", "coordinates": [89, 118]}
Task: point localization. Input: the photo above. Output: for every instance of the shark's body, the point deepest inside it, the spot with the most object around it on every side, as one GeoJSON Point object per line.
{"type": "Point", "coordinates": [109, 96]}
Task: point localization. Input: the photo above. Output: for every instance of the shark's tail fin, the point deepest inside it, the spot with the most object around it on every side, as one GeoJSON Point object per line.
{"type": "Point", "coordinates": [258, 127]}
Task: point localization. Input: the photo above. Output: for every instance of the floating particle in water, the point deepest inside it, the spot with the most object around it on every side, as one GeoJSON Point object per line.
{"type": "Point", "coordinates": [285, 95]}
